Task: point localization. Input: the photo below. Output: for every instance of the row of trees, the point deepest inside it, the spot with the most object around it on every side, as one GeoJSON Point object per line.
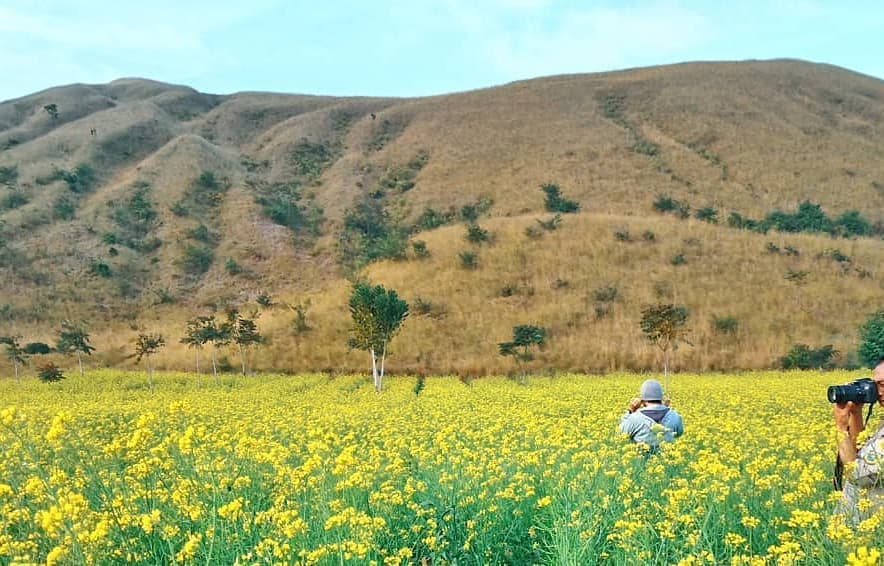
{"type": "Point", "coordinates": [72, 339]}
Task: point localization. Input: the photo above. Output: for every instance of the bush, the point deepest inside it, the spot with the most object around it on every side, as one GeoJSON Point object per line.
{"type": "Point", "coordinates": [81, 180]}
{"type": "Point", "coordinates": [802, 356]}
{"type": "Point", "coordinates": [649, 236]}
{"type": "Point", "coordinates": [871, 338]}
{"type": "Point", "coordinates": [100, 269]}
{"type": "Point", "coordinates": [468, 259]}
{"type": "Point", "coordinates": [646, 147]}
{"type": "Point", "coordinates": [666, 203]}
{"type": "Point", "coordinates": [49, 373]}
{"type": "Point", "coordinates": [477, 234]}
{"type": "Point", "coordinates": [551, 224]}
{"type": "Point", "coordinates": [555, 202]}
{"type": "Point", "coordinates": [420, 249]}
{"type": "Point", "coordinates": [15, 199]}
{"type": "Point", "coordinates": [63, 208]}
{"type": "Point", "coordinates": [622, 235]}
{"type": "Point", "coordinates": [8, 175]}
{"type": "Point", "coordinates": [197, 259]}
{"type": "Point", "coordinates": [707, 214]}
{"type": "Point", "coordinates": [678, 259]}
{"type": "Point", "coordinates": [431, 218]}
{"type": "Point", "coordinates": [725, 324]}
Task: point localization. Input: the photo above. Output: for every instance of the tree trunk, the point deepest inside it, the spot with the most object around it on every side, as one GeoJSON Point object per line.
{"type": "Point", "coordinates": [666, 369]}
{"type": "Point", "coordinates": [199, 380]}
{"type": "Point", "coordinates": [242, 360]}
{"type": "Point", "coordinates": [80, 361]}
{"type": "Point", "coordinates": [383, 361]}
{"type": "Point", "coordinates": [374, 371]}
{"type": "Point", "coordinates": [214, 366]}
{"type": "Point", "coordinates": [149, 374]}
{"type": "Point", "coordinates": [15, 365]}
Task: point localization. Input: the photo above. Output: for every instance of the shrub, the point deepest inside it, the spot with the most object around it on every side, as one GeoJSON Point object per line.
{"type": "Point", "coordinates": [649, 236]}
{"type": "Point", "coordinates": [477, 234]}
{"type": "Point", "coordinates": [802, 356]}
{"type": "Point", "coordinates": [50, 373]}
{"type": "Point", "coordinates": [665, 203]}
{"type": "Point", "coordinates": [707, 214]}
{"type": "Point", "coordinates": [622, 235]}
{"type": "Point", "coordinates": [725, 324]}
{"type": "Point", "coordinates": [678, 259]}
{"type": "Point", "coordinates": [606, 294]}
{"type": "Point", "coordinates": [81, 180]}
{"type": "Point", "coordinates": [101, 269]}
{"type": "Point", "coordinates": [63, 208]}
{"type": "Point", "coordinates": [534, 232]}
{"type": "Point", "coordinates": [871, 338]}
{"type": "Point", "coordinates": [311, 159]}
{"type": "Point", "coordinates": [790, 251]}
{"type": "Point", "coordinates": [202, 234]}
{"type": "Point", "coordinates": [468, 259]}
{"type": "Point", "coordinates": [646, 147]}
{"type": "Point", "coordinates": [551, 224]}
{"type": "Point", "coordinates": [431, 218]}
{"type": "Point", "coordinates": [264, 299]}
{"type": "Point", "coordinates": [15, 199]}
{"type": "Point", "coordinates": [197, 259]}
{"type": "Point", "coordinates": [420, 249]}
{"type": "Point", "coordinates": [772, 248]}
{"type": "Point", "coordinates": [8, 175]}
{"type": "Point", "coordinates": [555, 202]}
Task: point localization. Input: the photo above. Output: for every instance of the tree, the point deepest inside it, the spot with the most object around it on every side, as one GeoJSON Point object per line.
{"type": "Point", "coordinates": [199, 331]}
{"type": "Point", "coordinates": [145, 346]}
{"type": "Point", "coordinates": [871, 337]}
{"type": "Point", "coordinates": [50, 373]}
{"type": "Point", "coordinates": [665, 325]}
{"type": "Point", "coordinates": [73, 338]}
{"type": "Point", "coordinates": [52, 110]}
{"type": "Point", "coordinates": [243, 332]}
{"type": "Point", "coordinates": [14, 352]}
{"type": "Point", "coordinates": [525, 336]}
{"type": "Point", "coordinates": [378, 315]}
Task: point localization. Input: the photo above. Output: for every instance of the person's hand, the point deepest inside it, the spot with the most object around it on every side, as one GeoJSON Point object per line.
{"type": "Point", "coordinates": [848, 417]}
{"type": "Point", "coordinates": [666, 401]}
{"type": "Point", "coordinates": [634, 404]}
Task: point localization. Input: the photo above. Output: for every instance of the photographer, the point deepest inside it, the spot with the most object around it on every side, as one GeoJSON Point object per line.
{"type": "Point", "coordinates": [862, 469]}
{"type": "Point", "coordinates": [649, 419]}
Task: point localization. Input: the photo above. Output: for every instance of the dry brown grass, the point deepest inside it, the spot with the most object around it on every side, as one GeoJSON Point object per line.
{"type": "Point", "coordinates": [747, 137]}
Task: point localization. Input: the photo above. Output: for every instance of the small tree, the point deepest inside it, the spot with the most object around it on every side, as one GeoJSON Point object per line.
{"type": "Point", "coordinates": [145, 346]}
{"type": "Point", "coordinates": [554, 200]}
{"type": "Point", "coordinates": [871, 337]}
{"type": "Point", "coordinates": [525, 337]}
{"type": "Point", "coordinates": [665, 325]}
{"type": "Point", "coordinates": [73, 338]}
{"type": "Point", "coordinates": [243, 332]}
{"type": "Point", "coordinates": [52, 110]}
{"type": "Point", "coordinates": [14, 352]}
{"type": "Point", "coordinates": [378, 315]}
{"type": "Point", "coordinates": [199, 331]}
{"type": "Point", "coordinates": [50, 373]}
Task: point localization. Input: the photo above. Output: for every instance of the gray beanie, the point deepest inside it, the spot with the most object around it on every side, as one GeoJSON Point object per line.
{"type": "Point", "coordinates": [651, 391]}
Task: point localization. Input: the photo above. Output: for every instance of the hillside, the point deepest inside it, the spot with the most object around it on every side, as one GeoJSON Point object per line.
{"type": "Point", "coordinates": [139, 204]}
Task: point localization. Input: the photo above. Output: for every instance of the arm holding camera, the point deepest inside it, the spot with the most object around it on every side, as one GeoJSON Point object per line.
{"type": "Point", "coordinates": [849, 422]}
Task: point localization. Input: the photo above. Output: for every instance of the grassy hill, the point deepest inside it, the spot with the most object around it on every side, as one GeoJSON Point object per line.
{"type": "Point", "coordinates": [138, 204]}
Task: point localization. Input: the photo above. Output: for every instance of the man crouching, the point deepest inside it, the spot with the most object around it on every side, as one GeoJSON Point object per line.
{"type": "Point", "coordinates": [649, 419]}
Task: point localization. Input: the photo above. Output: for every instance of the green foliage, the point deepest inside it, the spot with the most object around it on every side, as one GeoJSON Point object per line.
{"type": "Point", "coordinates": [678, 259]}
{"type": "Point", "coordinates": [100, 269]}
{"type": "Point", "coordinates": [852, 223]}
{"type": "Point", "coordinates": [197, 260]}
{"type": "Point", "coordinates": [552, 224]}
{"type": "Point", "coordinates": [606, 294]}
{"type": "Point", "coordinates": [649, 236]}
{"type": "Point", "coordinates": [377, 315]}
{"type": "Point", "coordinates": [135, 218]}
{"type": "Point", "coordinates": [15, 199]}
{"type": "Point", "coordinates": [425, 307]}
{"type": "Point", "coordinates": [725, 324]}
{"type": "Point", "coordinates": [646, 147]}
{"type": "Point", "coordinates": [300, 324]}
{"type": "Point", "coordinates": [802, 356]}
{"type": "Point", "coordinates": [73, 338]}
{"type": "Point", "coordinates": [808, 217]}
{"type": "Point", "coordinates": [148, 344]}
{"type": "Point", "coordinates": [665, 325]}
{"type": "Point", "coordinates": [871, 339]}
{"type": "Point", "coordinates": [50, 373]}
{"type": "Point", "coordinates": [477, 235]}
{"type": "Point", "coordinates": [555, 202]}
{"type": "Point", "coordinates": [419, 247]}
{"type": "Point", "coordinates": [525, 337]}
{"type": "Point", "coordinates": [264, 300]}
{"type": "Point", "coordinates": [431, 218]}
{"type": "Point", "coordinates": [402, 179]}
{"type": "Point", "coordinates": [81, 180]}
{"type": "Point", "coordinates": [202, 195]}
{"type": "Point", "coordinates": [311, 159]}
{"type": "Point", "coordinates": [370, 234]}
{"type": "Point", "coordinates": [419, 384]}
{"type": "Point", "coordinates": [385, 132]}
{"type": "Point", "coordinates": [37, 348]}
{"type": "Point", "coordinates": [665, 203]}
{"type": "Point", "coordinates": [202, 234]}
{"type": "Point", "coordinates": [232, 267]}
{"type": "Point", "coordinates": [8, 175]}
{"type": "Point", "coordinates": [52, 110]}
{"type": "Point", "coordinates": [468, 259]}
{"type": "Point", "coordinates": [622, 235]}
{"type": "Point", "coordinates": [707, 214]}
{"type": "Point", "coordinates": [64, 208]}
{"type": "Point", "coordinates": [283, 204]}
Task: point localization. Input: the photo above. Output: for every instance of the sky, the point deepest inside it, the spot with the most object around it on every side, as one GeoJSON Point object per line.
{"type": "Point", "coordinates": [411, 47]}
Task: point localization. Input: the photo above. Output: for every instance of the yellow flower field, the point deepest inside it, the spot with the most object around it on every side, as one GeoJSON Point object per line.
{"type": "Point", "coordinates": [313, 469]}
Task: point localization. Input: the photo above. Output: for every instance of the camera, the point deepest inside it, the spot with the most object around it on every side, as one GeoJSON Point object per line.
{"type": "Point", "coordinates": [860, 391]}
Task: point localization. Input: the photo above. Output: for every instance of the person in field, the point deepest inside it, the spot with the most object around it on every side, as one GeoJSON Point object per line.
{"type": "Point", "coordinates": [649, 419]}
{"type": "Point", "coordinates": [863, 475]}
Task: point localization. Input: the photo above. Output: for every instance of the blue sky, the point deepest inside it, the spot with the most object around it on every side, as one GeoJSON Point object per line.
{"type": "Point", "coordinates": [410, 48]}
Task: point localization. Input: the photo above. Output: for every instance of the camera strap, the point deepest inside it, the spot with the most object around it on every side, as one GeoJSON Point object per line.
{"type": "Point", "coordinates": [838, 477]}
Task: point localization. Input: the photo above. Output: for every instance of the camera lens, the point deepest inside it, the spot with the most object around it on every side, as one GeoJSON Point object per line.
{"type": "Point", "coordinates": [834, 393]}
